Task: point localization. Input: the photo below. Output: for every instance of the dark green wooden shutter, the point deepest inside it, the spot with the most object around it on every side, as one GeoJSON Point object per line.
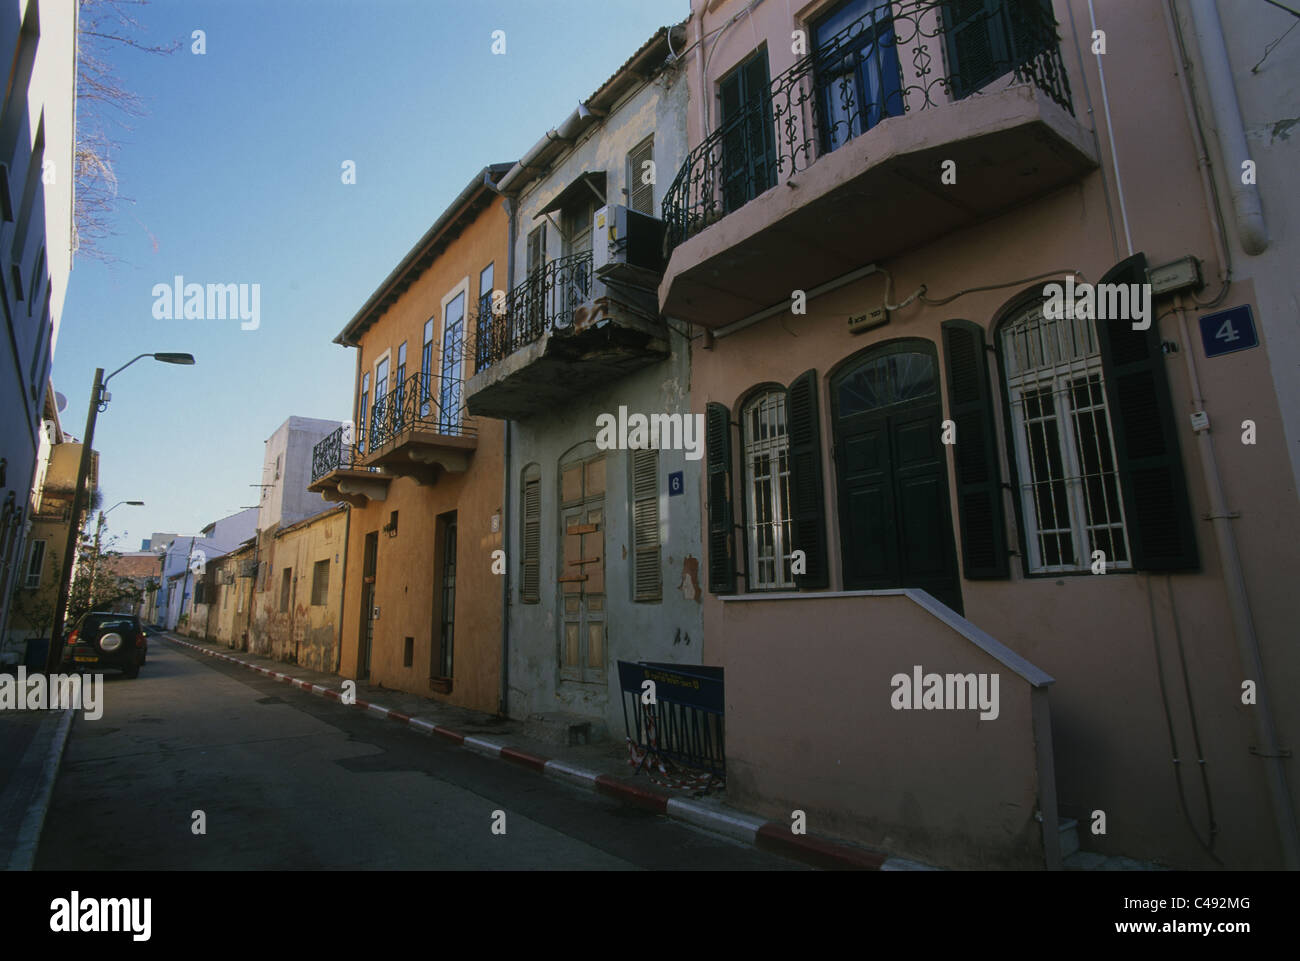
{"type": "Point", "coordinates": [530, 565]}
{"type": "Point", "coordinates": [807, 503]}
{"type": "Point", "coordinates": [979, 479]}
{"type": "Point", "coordinates": [1157, 508]}
{"type": "Point", "coordinates": [722, 561]}
{"type": "Point", "coordinates": [977, 44]}
{"type": "Point", "coordinates": [1033, 29]}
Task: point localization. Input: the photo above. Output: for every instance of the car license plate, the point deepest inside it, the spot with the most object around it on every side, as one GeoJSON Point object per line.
{"type": "Point", "coordinates": [90, 659]}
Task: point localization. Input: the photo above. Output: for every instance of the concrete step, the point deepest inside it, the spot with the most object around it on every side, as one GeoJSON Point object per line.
{"type": "Point", "coordinates": [564, 729]}
{"type": "Point", "coordinates": [1069, 831]}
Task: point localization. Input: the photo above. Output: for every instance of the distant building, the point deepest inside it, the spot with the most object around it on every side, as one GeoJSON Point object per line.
{"type": "Point", "coordinates": [186, 559]}
{"type": "Point", "coordinates": [35, 585]}
{"type": "Point", "coordinates": [286, 472]}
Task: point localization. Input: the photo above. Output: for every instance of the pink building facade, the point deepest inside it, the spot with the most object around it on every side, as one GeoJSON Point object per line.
{"type": "Point", "coordinates": [923, 462]}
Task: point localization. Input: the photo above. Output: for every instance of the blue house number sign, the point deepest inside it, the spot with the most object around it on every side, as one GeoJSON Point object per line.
{"type": "Point", "coordinates": [675, 484]}
{"type": "Point", "coordinates": [1228, 331]}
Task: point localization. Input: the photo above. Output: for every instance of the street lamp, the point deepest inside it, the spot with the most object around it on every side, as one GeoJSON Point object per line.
{"type": "Point", "coordinates": [99, 398]}
{"type": "Point", "coordinates": [99, 527]}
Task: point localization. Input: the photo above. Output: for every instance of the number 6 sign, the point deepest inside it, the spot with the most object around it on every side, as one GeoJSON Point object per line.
{"type": "Point", "coordinates": [1228, 331]}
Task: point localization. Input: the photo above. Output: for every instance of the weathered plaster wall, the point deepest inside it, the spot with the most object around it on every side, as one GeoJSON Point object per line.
{"type": "Point", "coordinates": [657, 631]}
{"type": "Point", "coordinates": [301, 632]}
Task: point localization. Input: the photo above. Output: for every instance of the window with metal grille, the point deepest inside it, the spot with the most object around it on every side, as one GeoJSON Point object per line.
{"type": "Point", "coordinates": [399, 381]}
{"type": "Point", "coordinates": [485, 282]}
{"type": "Point", "coordinates": [767, 491]}
{"type": "Point", "coordinates": [641, 177]}
{"type": "Point", "coordinates": [363, 413]}
{"type": "Point", "coordinates": [286, 581]}
{"type": "Point", "coordinates": [426, 367]}
{"type": "Point", "coordinates": [35, 564]}
{"type": "Point", "coordinates": [320, 583]}
{"type": "Point", "coordinates": [1065, 455]}
{"type": "Point", "coordinates": [453, 343]}
{"type": "Point", "coordinates": [647, 575]}
{"type": "Point", "coordinates": [531, 520]}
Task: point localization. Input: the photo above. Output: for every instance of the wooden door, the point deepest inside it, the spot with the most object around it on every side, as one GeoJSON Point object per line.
{"type": "Point", "coordinates": [582, 571]}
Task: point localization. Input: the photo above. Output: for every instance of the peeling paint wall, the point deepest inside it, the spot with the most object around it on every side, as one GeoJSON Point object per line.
{"type": "Point", "coordinates": [228, 622]}
{"type": "Point", "coordinates": [300, 632]}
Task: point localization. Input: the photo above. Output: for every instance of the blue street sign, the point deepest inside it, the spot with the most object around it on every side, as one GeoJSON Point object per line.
{"type": "Point", "coordinates": [1228, 331]}
{"type": "Point", "coordinates": [676, 483]}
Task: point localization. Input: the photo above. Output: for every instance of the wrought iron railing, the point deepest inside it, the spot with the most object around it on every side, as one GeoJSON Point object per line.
{"type": "Point", "coordinates": [422, 401]}
{"type": "Point", "coordinates": [855, 79]}
{"type": "Point", "coordinates": [338, 452]}
{"type": "Point", "coordinates": [545, 301]}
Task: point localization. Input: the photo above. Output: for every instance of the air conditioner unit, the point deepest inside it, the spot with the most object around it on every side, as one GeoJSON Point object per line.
{"type": "Point", "coordinates": [627, 246]}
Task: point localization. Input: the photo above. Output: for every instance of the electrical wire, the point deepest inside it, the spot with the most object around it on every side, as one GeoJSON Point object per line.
{"type": "Point", "coordinates": [973, 290]}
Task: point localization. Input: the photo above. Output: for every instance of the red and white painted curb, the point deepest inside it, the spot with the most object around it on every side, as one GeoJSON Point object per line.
{"type": "Point", "coordinates": [771, 835]}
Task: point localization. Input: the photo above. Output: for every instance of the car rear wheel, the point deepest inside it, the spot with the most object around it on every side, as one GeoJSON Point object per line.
{"type": "Point", "coordinates": [132, 670]}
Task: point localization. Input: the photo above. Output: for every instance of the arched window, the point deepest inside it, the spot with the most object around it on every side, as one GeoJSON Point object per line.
{"type": "Point", "coordinates": [1063, 443]}
{"type": "Point", "coordinates": [766, 439]}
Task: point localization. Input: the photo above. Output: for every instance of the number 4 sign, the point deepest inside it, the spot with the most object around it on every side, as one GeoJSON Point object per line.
{"type": "Point", "coordinates": [1228, 330]}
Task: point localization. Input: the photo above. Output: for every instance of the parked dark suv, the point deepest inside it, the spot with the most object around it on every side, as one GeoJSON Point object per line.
{"type": "Point", "coordinates": [107, 640]}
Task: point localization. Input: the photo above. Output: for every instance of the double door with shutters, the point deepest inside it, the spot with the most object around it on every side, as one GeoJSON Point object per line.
{"type": "Point", "coordinates": [891, 466]}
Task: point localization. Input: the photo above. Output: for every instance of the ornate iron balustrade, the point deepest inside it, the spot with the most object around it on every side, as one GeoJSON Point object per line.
{"type": "Point", "coordinates": [424, 401]}
{"type": "Point", "coordinates": [337, 452]}
{"type": "Point", "coordinates": [851, 82]}
{"type": "Point", "coordinates": [545, 301]}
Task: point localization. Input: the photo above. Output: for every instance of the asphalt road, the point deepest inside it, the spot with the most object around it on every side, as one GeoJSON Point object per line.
{"type": "Point", "coordinates": [287, 780]}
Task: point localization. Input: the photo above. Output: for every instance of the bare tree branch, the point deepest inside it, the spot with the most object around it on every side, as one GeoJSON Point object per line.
{"type": "Point", "coordinates": [103, 104]}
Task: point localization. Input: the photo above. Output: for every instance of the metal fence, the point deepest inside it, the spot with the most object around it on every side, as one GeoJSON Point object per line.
{"type": "Point", "coordinates": [685, 722]}
{"type": "Point", "coordinates": [894, 59]}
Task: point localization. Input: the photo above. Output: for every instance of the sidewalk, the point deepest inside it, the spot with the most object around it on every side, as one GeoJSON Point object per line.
{"type": "Point", "coordinates": [31, 749]}
{"type": "Point", "coordinates": [599, 767]}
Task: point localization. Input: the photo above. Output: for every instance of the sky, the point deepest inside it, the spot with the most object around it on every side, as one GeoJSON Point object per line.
{"type": "Point", "coordinates": [235, 176]}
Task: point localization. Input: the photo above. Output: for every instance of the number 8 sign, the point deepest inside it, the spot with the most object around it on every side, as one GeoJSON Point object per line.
{"type": "Point", "coordinates": [1228, 331]}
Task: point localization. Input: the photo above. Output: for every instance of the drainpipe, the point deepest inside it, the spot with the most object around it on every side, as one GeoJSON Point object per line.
{"type": "Point", "coordinates": [1203, 163]}
{"type": "Point", "coordinates": [1110, 133]}
{"type": "Point", "coordinates": [1229, 129]}
{"type": "Point", "coordinates": [338, 648]}
{"type": "Point", "coordinates": [704, 80]}
{"type": "Point", "coordinates": [1234, 581]}
{"type": "Point", "coordinates": [512, 212]}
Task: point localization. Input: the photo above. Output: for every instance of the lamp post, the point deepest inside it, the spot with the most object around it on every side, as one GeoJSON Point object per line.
{"type": "Point", "coordinates": [99, 398]}
{"type": "Point", "coordinates": [99, 529]}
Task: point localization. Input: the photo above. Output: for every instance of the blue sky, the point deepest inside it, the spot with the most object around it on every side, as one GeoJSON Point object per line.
{"type": "Point", "coordinates": [235, 177]}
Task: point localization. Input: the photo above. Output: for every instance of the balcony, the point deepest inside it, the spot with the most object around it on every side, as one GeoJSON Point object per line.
{"type": "Point", "coordinates": [419, 430]}
{"type": "Point", "coordinates": [839, 164]}
{"type": "Point", "coordinates": [338, 474]}
{"type": "Point", "coordinates": [559, 334]}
